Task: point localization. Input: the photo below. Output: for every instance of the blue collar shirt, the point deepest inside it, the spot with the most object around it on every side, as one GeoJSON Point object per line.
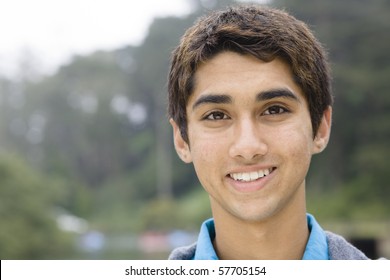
{"type": "Point", "coordinates": [316, 247]}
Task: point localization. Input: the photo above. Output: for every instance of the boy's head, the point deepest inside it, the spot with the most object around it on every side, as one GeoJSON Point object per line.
{"type": "Point", "coordinates": [259, 31]}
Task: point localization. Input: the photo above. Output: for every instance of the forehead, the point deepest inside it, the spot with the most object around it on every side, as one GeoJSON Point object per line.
{"type": "Point", "coordinates": [233, 73]}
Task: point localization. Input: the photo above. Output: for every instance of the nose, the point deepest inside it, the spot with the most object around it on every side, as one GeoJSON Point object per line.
{"type": "Point", "coordinates": [248, 141]}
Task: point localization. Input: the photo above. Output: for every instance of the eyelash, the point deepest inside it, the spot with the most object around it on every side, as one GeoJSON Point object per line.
{"type": "Point", "coordinates": [278, 107]}
{"type": "Point", "coordinates": [218, 115]}
{"type": "Point", "coordinates": [208, 116]}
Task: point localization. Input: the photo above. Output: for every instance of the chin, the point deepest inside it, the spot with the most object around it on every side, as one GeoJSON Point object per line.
{"type": "Point", "coordinates": [255, 215]}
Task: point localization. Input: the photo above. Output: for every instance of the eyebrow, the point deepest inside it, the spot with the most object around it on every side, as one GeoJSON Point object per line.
{"type": "Point", "coordinates": [212, 98]}
{"type": "Point", "coordinates": [276, 93]}
{"type": "Point", "coordinates": [262, 96]}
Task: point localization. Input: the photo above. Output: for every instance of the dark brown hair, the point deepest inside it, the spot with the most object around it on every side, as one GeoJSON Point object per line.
{"type": "Point", "coordinates": [260, 31]}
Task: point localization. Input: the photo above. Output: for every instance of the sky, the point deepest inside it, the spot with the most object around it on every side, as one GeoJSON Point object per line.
{"type": "Point", "coordinates": [52, 31]}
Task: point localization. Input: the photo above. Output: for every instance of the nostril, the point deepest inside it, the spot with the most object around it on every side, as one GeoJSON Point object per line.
{"type": "Point", "coordinates": [249, 151]}
{"type": "Point", "coordinates": [247, 142]}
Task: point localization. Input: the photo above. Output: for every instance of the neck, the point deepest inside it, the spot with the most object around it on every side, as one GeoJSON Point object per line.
{"type": "Point", "coordinates": [283, 236]}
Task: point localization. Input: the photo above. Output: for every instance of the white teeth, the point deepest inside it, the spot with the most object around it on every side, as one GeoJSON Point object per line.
{"type": "Point", "coordinates": [251, 176]}
{"type": "Point", "coordinates": [254, 175]}
{"type": "Point", "coordinates": [246, 176]}
{"type": "Point", "coordinates": [261, 173]}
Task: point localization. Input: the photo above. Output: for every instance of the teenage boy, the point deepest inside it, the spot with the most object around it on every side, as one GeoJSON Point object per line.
{"type": "Point", "coordinates": [250, 102]}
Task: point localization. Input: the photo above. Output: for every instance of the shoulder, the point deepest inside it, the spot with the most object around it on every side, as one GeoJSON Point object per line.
{"type": "Point", "coordinates": [341, 249]}
{"type": "Point", "coordinates": [183, 253]}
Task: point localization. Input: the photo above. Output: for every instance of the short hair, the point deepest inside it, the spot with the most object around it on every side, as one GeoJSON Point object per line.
{"type": "Point", "coordinates": [262, 32]}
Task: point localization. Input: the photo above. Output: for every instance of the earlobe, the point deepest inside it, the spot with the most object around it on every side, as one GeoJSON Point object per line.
{"type": "Point", "coordinates": [323, 133]}
{"type": "Point", "coordinates": [182, 148]}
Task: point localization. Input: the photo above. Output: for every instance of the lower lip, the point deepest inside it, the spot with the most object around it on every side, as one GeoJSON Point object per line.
{"type": "Point", "coordinates": [252, 186]}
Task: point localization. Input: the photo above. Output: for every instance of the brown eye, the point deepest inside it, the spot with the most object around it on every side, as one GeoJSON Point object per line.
{"type": "Point", "coordinates": [273, 110]}
{"type": "Point", "coordinates": [215, 116]}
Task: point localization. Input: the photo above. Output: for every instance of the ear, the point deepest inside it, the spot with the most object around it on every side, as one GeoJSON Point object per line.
{"type": "Point", "coordinates": [182, 148]}
{"type": "Point", "coordinates": [323, 133]}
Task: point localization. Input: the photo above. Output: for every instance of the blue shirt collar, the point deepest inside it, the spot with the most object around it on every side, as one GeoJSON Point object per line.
{"type": "Point", "coordinates": [316, 247]}
{"type": "Point", "coordinates": [204, 246]}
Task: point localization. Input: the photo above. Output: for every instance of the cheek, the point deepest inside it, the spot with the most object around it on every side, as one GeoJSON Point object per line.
{"type": "Point", "coordinates": [204, 151]}
{"type": "Point", "coordinates": [207, 157]}
{"type": "Point", "coordinates": [296, 143]}
{"type": "Point", "coordinates": [203, 146]}
{"type": "Point", "coordinates": [204, 160]}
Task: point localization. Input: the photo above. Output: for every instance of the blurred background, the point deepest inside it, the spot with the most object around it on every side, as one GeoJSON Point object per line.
{"type": "Point", "coordinates": [87, 166]}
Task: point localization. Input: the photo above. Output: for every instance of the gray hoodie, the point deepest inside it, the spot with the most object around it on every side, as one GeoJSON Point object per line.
{"type": "Point", "coordinates": [339, 249]}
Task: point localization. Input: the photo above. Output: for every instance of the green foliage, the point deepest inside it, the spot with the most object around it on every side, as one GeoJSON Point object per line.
{"type": "Point", "coordinates": [353, 201]}
{"type": "Point", "coordinates": [194, 209]}
{"type": "Point", "coordinates": [27, 226]}
{"type": "Point", "coordinates": [166, 214]}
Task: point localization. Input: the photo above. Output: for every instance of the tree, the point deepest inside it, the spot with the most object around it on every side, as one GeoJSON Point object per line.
{"type": "Point", "coordinates": [28, 228]}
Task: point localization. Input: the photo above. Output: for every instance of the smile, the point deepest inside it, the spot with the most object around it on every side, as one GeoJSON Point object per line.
{"type": "Point", "coordinates": [251, 176]}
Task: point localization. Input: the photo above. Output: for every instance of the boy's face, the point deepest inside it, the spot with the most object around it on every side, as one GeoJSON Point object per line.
{"type": "Point", "coordinates": [250, 136]}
